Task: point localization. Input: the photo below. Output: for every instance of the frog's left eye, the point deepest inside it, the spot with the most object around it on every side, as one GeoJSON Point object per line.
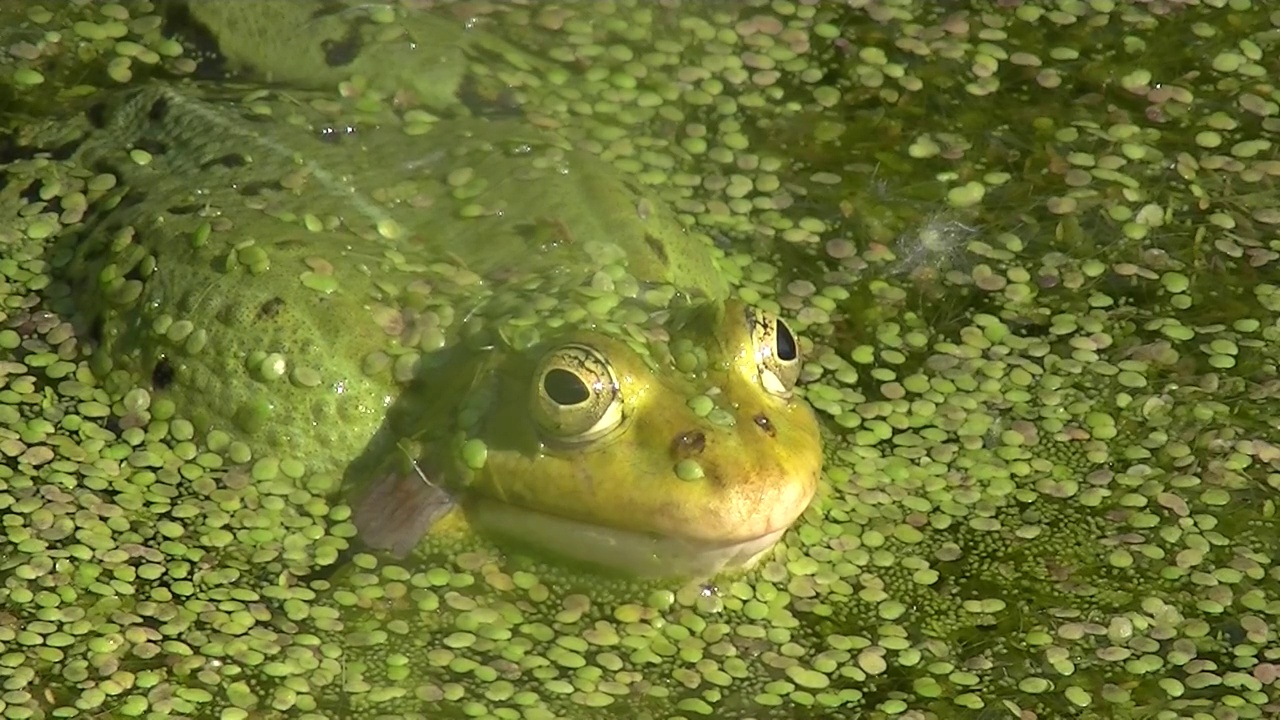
{"type": "Point", "coordinates": [777, 352]}
{"type": "Point", "coordinates": [576, 396]}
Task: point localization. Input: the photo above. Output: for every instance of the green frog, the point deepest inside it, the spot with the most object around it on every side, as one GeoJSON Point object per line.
{"type": "Point", "coordinates": [467, 324]}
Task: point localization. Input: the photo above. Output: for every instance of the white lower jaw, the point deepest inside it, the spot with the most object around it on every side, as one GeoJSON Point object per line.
{"type": "Point", "coordinates": [623, 551]}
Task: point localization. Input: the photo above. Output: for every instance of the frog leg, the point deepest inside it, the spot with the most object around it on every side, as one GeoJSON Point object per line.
{"type": "Point", "coordinates": [398, 506]}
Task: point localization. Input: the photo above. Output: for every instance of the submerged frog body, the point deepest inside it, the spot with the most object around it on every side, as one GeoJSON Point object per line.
{"type": "Point", "coordinates": [470, 324]}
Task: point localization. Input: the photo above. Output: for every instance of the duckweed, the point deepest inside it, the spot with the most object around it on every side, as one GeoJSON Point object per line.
{"type": "Point", "coordinates": [1034, 285]}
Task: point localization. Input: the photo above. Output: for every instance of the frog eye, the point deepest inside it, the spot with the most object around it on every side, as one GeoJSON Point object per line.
{"type": "Point", "coordinates": [777, 352]}
{"type": "Point", "coordinates": [576, 398]}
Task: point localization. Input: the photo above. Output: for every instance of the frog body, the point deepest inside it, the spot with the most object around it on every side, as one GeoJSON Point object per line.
{"type": "Point", "coordinates": [400, 54]}
{"type": "Point", "coordinates": [469, 318]}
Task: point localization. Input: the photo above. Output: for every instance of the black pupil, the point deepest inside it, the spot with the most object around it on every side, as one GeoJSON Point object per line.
{"type": "Point", "coordinates": [787, 349]}
{"type": "Point", "coordinates": [564, 387]}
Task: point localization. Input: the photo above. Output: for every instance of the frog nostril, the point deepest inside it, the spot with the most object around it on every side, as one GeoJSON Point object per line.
{"type": "Point", "coordinates": [689, 444]}
{"type": "Point", "coordinates": [764, 424]}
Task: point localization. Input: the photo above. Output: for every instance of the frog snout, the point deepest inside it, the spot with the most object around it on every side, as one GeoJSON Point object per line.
{"type": "Point", "coordinates": [690, 444]}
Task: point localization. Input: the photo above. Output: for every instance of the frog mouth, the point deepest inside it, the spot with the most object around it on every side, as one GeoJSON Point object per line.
{"type": "Point", "coordinates": [627, 552]}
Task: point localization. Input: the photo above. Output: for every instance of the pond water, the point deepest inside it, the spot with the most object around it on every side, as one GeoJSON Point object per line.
{"type": "Point", "coordinates": [1029, 250]}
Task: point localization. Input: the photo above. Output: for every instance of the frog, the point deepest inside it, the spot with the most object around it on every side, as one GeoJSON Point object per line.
{"type": "Point", "coordinates": [392, 52]}
{"type": "Point", "coordinates": [470, 327]}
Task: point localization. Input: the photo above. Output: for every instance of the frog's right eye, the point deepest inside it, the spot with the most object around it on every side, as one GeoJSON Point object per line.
{"type": "Point", "coordinates": [576, 396]}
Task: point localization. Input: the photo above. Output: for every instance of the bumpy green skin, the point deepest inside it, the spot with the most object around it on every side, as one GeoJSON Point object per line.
{"type": "Point", "coordinates": [1033, 247]}
{"type": "Point", "coordinates": [321, 285]}
{"type": "Point", "coordinates": [279, 282]}
{"type": "Point", "coordinates": [306, 45]}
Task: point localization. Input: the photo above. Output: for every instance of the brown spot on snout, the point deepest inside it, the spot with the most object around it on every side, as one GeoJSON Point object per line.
{"type": "Point", "coordinates": [689, 444]}
{"type": "Point", "coordinates": [762, 422]}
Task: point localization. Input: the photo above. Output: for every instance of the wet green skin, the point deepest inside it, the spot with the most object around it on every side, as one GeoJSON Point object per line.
{"type": "Point", "coordinates": [319, 45]}
{"type": "Point", "coordinates": [323, 286]}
